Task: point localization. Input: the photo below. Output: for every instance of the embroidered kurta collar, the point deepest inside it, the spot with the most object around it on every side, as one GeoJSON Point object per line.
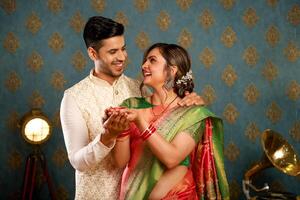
{"type": "Point", "coordinates": [102, 82]}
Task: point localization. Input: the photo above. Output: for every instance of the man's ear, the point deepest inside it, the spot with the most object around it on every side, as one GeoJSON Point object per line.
{"type": "Point", "coordinates": [92, 53]}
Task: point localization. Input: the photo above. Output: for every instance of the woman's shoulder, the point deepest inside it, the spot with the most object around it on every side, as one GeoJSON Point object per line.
{"type": "Point", "coordinates": [198, 108]}
{"type": "Point", "coordinates": [188, 116]}
{"type": "Point", "coordinates": [199, 111]}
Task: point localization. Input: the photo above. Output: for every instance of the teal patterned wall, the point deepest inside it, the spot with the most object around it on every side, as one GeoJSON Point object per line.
{"type": "Point", "coordinates": [246, 61]}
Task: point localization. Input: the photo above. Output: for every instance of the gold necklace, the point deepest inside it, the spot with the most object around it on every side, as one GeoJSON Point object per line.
{"type": "Point", "coordinates": [164, 110]}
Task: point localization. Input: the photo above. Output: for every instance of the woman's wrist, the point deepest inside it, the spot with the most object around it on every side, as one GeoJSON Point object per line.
{"type": "Point", "coordinates": [141, 124]}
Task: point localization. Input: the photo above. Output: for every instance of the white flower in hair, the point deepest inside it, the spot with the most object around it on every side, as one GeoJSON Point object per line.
{"type": "Point", "coordinates": [184, 79]}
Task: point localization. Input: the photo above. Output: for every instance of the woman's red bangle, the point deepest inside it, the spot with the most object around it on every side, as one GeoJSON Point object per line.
{"type": "Point", "coordinates": [148, 132]}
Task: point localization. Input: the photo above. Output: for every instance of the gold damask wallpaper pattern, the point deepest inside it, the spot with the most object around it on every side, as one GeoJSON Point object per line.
{"type": "Point", "coordinates": [245, 57]}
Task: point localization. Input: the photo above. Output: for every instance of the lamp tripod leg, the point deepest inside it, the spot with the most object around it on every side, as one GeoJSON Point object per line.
{"type": "Point", "coordinates": [29, 178]}
{"type": "Point", "coordinates": [48, 178]}
{"type": "Point", "coordinates": [33, 177]}
{"type": "Point", "coordinates": [26, 177]}
{"type": "Point", "coordinates": [32, 163]}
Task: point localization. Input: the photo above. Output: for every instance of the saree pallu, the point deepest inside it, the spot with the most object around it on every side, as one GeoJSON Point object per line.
{"type": "Point", "coordinates": [206, 177]}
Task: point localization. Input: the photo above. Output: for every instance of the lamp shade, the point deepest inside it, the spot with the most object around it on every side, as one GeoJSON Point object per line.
{"type": "Point", "coordinates": [35, 127]}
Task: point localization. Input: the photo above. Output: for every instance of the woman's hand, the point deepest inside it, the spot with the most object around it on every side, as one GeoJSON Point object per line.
{"type": "Point", "coordinates": [130, 114]}
{"type": "Point", "coordinates": [109, 111]}
{"type": "Point", "coordinates": [133, 115]}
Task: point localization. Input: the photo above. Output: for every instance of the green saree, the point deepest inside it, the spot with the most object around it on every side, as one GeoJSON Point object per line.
{"type": "Point", "coordinates": [144, 170]}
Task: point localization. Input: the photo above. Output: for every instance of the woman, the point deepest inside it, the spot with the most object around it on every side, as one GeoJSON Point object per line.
{"type": "Point", "coordinates": [170, 152]}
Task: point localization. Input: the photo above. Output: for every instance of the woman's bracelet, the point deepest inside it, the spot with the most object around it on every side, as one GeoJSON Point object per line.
{"type": "Point", "coordinates": [148, 132]}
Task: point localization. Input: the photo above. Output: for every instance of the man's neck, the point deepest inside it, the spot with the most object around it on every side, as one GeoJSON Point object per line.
{"type": "Point", "coordinates": [105, 77]}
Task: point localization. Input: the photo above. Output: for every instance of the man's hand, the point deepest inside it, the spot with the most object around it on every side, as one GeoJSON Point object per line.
{"type": "Point", "coordinates": [191, 99]}
{"type": "Point", "coordinates": [116, 123]}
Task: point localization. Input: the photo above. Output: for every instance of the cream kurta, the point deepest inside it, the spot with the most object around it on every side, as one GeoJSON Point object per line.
{"type": "Point", "coordinates": [82, 111]}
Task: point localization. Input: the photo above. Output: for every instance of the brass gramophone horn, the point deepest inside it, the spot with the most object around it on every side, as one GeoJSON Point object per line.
{"type": "Point", "coordinates": [278, 153]}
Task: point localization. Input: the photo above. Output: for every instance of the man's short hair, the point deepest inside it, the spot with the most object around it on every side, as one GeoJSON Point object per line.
{"type": "Point", "coordinates": [99, 28]}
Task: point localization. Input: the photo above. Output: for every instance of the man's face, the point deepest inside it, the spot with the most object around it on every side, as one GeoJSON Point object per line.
{"type": "Point", "coordinates": [111, 57]}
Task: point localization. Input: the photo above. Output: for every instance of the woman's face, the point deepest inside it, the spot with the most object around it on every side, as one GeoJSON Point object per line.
{"type": "Point", "coordinates": [154, 69]}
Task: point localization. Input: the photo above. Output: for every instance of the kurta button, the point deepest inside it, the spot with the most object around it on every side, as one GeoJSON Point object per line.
{"type": "Point", "coordinates": [116, 92]}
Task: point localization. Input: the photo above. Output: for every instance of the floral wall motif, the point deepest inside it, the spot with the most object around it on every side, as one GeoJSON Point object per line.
{"type": "Point", "coordinates": [245, 60]}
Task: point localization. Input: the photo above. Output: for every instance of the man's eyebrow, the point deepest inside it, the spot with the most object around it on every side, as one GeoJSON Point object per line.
{"type": "Point", "coordinates": [112, 49]}
{"type": "Point", "coordinates": [116, 49]}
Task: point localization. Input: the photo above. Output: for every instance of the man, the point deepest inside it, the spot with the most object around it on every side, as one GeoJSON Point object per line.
{"type": "Point", "coordinates": [83, 107]}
